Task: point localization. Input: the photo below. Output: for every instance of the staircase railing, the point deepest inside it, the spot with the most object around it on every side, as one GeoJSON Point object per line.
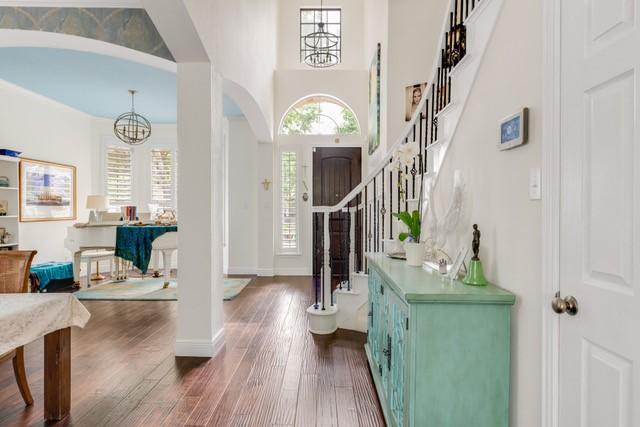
{"type": "Point", "coordinates": [396, 181]}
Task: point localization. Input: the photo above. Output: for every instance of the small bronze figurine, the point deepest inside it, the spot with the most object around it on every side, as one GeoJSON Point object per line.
{"type": "Point", "coordinates": [475, 244]}
{"type": "Point", "coordinates": [475, 274]}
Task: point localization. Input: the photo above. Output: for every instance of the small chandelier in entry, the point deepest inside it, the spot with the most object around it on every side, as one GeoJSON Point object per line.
{"type": "Point", "coordinates": [131, 127]}
{"type": "Point", "coordinates": [322, 45]}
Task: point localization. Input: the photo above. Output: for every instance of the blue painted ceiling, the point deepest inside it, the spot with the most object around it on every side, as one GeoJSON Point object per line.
{"type": "Point", "coordinates": [96, 84]}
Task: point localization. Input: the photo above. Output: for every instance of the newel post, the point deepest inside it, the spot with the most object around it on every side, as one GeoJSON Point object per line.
{"type": "Point", "coordinates": [352, 245]}
{"type": "Point", "coordinates": [326, 262]}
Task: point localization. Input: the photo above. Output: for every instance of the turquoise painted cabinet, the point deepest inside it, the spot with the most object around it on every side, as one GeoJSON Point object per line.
{"type": "Point", "coordinates": [439, 352]}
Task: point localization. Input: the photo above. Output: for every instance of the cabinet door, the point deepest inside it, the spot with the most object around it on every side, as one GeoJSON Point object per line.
{"type": "Point", "coordinates": [399, 335]}
{"type": "Point", "coordinates": [385, 337]}
{"type": "Point", "coordinates": [373, 334]}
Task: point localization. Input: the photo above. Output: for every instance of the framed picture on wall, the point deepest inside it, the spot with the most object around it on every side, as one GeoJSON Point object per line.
{"type": "Point", "coordinates": [47, 191]}
{"type": "Point", "coordinates": [374, 102]}
{"type": "Point", "coordinates": [412, 95]}
{"type": "Point", "coordinates": [514, 130]}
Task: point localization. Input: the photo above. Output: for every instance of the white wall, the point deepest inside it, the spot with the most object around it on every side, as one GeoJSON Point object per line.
{"type": "Point", "coordinates": [46, 130]}
{"type": "Point", "coordinates": [497, 189]}
{"type": "Point", "coordinates": [242, 205]}
{"type": "Point", "coordinates": [289, 33]}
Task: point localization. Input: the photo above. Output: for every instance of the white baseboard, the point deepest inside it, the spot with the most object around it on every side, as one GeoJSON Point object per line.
{"type": "Point", "coordinates": [265, 272]}
{"type": "Point", "coordinates": [295, 271]}
{"type": "Point", "coordinates": [200, 348]}
{"type": "Point", "coordinates": [241, 270]}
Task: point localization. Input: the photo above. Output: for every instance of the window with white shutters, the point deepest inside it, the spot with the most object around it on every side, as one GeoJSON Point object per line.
{"type": "Point", "coordinates": [119, 183]}
{"type": "Point", "coordinates": [162, 177]}
{"type": "Point", "coordinates": [288, 202]}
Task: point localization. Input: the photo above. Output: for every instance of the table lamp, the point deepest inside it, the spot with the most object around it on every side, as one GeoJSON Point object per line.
{"type": "Point", "coordinates": [97, 203]}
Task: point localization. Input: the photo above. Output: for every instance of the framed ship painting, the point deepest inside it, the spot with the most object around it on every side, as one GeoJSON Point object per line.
{"type": "Point", "coordinates": [374, 102]}
{"type": "Point", "coordinates": [47, 191]}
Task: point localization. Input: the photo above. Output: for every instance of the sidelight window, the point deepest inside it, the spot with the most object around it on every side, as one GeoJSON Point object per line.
{"type": "Point", "coordinates": [288, 202]}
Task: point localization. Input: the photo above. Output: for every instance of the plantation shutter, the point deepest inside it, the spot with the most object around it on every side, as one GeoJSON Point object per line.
{"type": "Point", "coordinates": [162, 177]}
{"type": "Point", "coordinates": [288, 202]}
{"type": "Point", "coordinates": [119, 182]}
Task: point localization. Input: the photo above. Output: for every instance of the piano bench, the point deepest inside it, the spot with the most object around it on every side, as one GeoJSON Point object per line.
{"type": "Point", "coordinates": [41, 275]}
{"type": "Point", "coordinates": [96, 256]}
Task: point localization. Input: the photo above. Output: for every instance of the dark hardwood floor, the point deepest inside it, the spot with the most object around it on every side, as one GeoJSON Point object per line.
{"type": "Point", "coordinates": [272, 372]}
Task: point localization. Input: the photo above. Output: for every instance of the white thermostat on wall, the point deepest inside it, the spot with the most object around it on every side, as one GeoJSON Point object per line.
{"type": "Point", "coordinates": [514, 130]}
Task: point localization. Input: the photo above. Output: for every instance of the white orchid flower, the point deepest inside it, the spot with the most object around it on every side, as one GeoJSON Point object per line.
{"type": "Point", "coordinates": [405, 154]}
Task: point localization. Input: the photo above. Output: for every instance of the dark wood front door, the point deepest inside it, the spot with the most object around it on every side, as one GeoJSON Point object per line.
{"type": "Point", "coordinates": [336, 171]}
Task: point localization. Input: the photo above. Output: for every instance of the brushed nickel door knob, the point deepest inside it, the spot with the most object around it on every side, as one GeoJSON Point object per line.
{"type": "Point", "coordinates": [567, 305]}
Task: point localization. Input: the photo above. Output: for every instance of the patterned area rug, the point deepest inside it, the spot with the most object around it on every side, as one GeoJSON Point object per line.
{"type": "Point", "coordinates": [149, 290]}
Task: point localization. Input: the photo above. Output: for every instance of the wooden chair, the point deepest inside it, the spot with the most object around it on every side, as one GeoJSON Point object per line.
{"type": "Point", "coordinates": [14, 278]}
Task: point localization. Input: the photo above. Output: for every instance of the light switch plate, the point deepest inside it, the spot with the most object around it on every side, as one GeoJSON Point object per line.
{"type": "Point", "coordinates": [535, 191]}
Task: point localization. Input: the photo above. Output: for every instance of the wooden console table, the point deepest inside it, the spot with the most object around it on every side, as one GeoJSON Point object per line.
{"type": "Point", "coordinates": [27, 317]}
{"type": "Point", "coordinates": [438, 351]}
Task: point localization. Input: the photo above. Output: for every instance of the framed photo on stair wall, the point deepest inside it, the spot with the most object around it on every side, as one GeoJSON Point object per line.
{"type": "Point", "coordinates": [374, 102]}
{"type": "Point", "coordinates": [413, 95]}
{"type": "Point", "coordinates": [47, 191]}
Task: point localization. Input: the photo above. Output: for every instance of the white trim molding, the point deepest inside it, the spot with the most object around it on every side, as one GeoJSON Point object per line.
{"type": "Point", "coordinates": [551, 126]}
{"type": "Point", "coordinates": [242, 270]}
{"type": "Point", "coordinates": [265, 272]}
{"type": "Point", "coordinates": [293, 271]}
{"type": "Point", "coordinates": [200, 348]}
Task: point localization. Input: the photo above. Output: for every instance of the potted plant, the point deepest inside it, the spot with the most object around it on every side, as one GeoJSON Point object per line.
{"type": "Point", "coordinates": [411, 238]}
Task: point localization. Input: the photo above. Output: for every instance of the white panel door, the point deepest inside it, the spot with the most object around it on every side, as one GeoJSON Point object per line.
{"type": "Point", "coordinates": [599, 375]}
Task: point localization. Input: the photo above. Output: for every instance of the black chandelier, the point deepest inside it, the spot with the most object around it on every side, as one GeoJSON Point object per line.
{"type": "Point", "coordinates": [132, 128]}
{"type": "Point", "coordinates": [322, 45]}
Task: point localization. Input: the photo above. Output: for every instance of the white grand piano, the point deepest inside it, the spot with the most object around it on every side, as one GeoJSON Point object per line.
{"type": "Point", "coordinates": [91, 237]}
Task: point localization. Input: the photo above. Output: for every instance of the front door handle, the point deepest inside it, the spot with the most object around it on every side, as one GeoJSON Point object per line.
{"type": "Point", "coordinates": [567, 305]}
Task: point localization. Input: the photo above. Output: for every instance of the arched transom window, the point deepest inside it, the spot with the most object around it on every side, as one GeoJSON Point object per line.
{"type": "Point", "coordinates": [319, 115]}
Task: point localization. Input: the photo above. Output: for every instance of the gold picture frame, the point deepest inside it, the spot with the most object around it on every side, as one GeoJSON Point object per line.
{"type": "Point", "coordinates": [47, 191]}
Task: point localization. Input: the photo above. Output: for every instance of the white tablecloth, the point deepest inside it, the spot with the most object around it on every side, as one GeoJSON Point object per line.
{"type": "Point", "coordinates": [26, 317]}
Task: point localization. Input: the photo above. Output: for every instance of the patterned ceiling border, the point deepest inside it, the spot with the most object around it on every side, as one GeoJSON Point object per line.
{"type": "Point", "coordinates": [131, 28]}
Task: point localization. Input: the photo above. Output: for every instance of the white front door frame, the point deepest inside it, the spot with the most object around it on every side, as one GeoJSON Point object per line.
{"type": "Point", "coordinates": [551, 62]}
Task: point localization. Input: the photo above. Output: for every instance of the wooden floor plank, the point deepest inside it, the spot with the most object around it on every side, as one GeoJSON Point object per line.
{"type": "Point", "coordinates": [271, 372]}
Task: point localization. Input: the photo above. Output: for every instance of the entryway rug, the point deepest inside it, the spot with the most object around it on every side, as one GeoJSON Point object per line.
{"type": "Point", "coordinates": [149, 289]}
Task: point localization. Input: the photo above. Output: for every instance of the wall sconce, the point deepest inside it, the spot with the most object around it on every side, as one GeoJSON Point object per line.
{"type": "Point", "coordinates": [266, 183]}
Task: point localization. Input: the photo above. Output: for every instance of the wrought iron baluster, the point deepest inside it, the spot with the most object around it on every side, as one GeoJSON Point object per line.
{"type": "Point", "coordinates": [316, 270]}
{"type": "Point", "coordinates": [322, 271]}
{"type": "Point", "coordinates": [420, 142]}
{"type": "Point", "coordinates": [390, 201]}
{"type": "Point", "coordinates": [413, 168]}
{"type": "Point", "coordinates": [455, 11]}
{"type": "Point", "coordinates": [375, 215]}
{"type": "Point", "coordinates": [414, 171]}
{"type": "Point", "coordinates": [399, 185]}
{"type": "Point", "coordinates": [438, 91]}
{"type": "Point", "coordinates": [406, 188]}
{"type": "Point", "coordinates": [366, 225]}
{"type": "Point", "coordinates": [383, 210]}
{"type": "Point", "coordinates": [426, 135]}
